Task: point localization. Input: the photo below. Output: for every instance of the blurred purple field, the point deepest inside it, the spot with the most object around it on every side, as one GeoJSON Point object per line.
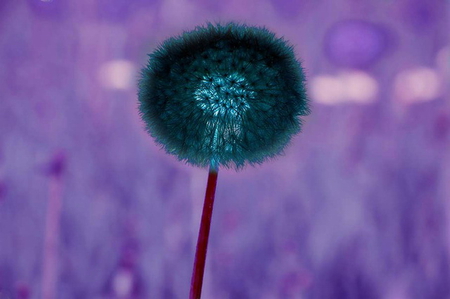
{"type": "Point", "coordinates": [358, 207]}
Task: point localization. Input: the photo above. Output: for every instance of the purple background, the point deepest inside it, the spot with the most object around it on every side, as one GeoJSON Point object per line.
{"type": "Point", "coordinates": [358, 207]}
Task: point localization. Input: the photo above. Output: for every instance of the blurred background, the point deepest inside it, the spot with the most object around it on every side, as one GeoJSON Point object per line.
{"type": "Point", "coordinates": [358, 207]}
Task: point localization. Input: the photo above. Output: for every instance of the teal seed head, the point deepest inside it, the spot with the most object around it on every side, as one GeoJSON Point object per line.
{"type": "Point", "coordinates": [223, 95]}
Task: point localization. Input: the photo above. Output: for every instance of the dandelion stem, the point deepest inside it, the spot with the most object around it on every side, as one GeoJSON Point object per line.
{"type": "Point", "coordinates": [51, 239]}
{"type": "Point", "coordinates": [203, 235]}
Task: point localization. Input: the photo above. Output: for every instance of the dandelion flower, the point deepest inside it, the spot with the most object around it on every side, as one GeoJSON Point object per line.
{"type": "Point", "coordinates": [222, 95]}
{"type": "Point", "coordinates": [227, 95]}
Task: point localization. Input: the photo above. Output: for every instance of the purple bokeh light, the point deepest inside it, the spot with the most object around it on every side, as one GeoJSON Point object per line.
{"type": "Point", "coordinates": [355, 43]}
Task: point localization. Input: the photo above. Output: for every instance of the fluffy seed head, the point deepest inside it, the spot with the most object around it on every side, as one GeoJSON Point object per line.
{"type": "Point", "coordinates": [224, 95]}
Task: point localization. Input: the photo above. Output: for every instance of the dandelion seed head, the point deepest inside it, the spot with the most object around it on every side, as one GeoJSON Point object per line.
{"type": "Point", "coordinates": [229, 94]}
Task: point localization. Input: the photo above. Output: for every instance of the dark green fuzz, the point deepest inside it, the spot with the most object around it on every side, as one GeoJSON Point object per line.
{"type": "Point", "coordinates": [223, 94]}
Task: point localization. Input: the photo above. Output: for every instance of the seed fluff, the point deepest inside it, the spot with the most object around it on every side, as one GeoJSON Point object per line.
{"type": "Point", "coordinates": [225, 95]}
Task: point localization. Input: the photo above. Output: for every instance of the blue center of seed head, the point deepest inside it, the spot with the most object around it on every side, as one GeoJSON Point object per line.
{"type": "Point", "coordinates": [224, 96]}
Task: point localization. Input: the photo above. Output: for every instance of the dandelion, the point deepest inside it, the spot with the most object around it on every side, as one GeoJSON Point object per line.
{"type": "Point", "coordinates": [227, 95]}
{"type": "Point", "coordinates": [222, 96]}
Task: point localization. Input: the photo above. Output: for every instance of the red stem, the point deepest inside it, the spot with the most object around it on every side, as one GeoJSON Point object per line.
{"type": "Point", "coordinates": [203, 236]}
